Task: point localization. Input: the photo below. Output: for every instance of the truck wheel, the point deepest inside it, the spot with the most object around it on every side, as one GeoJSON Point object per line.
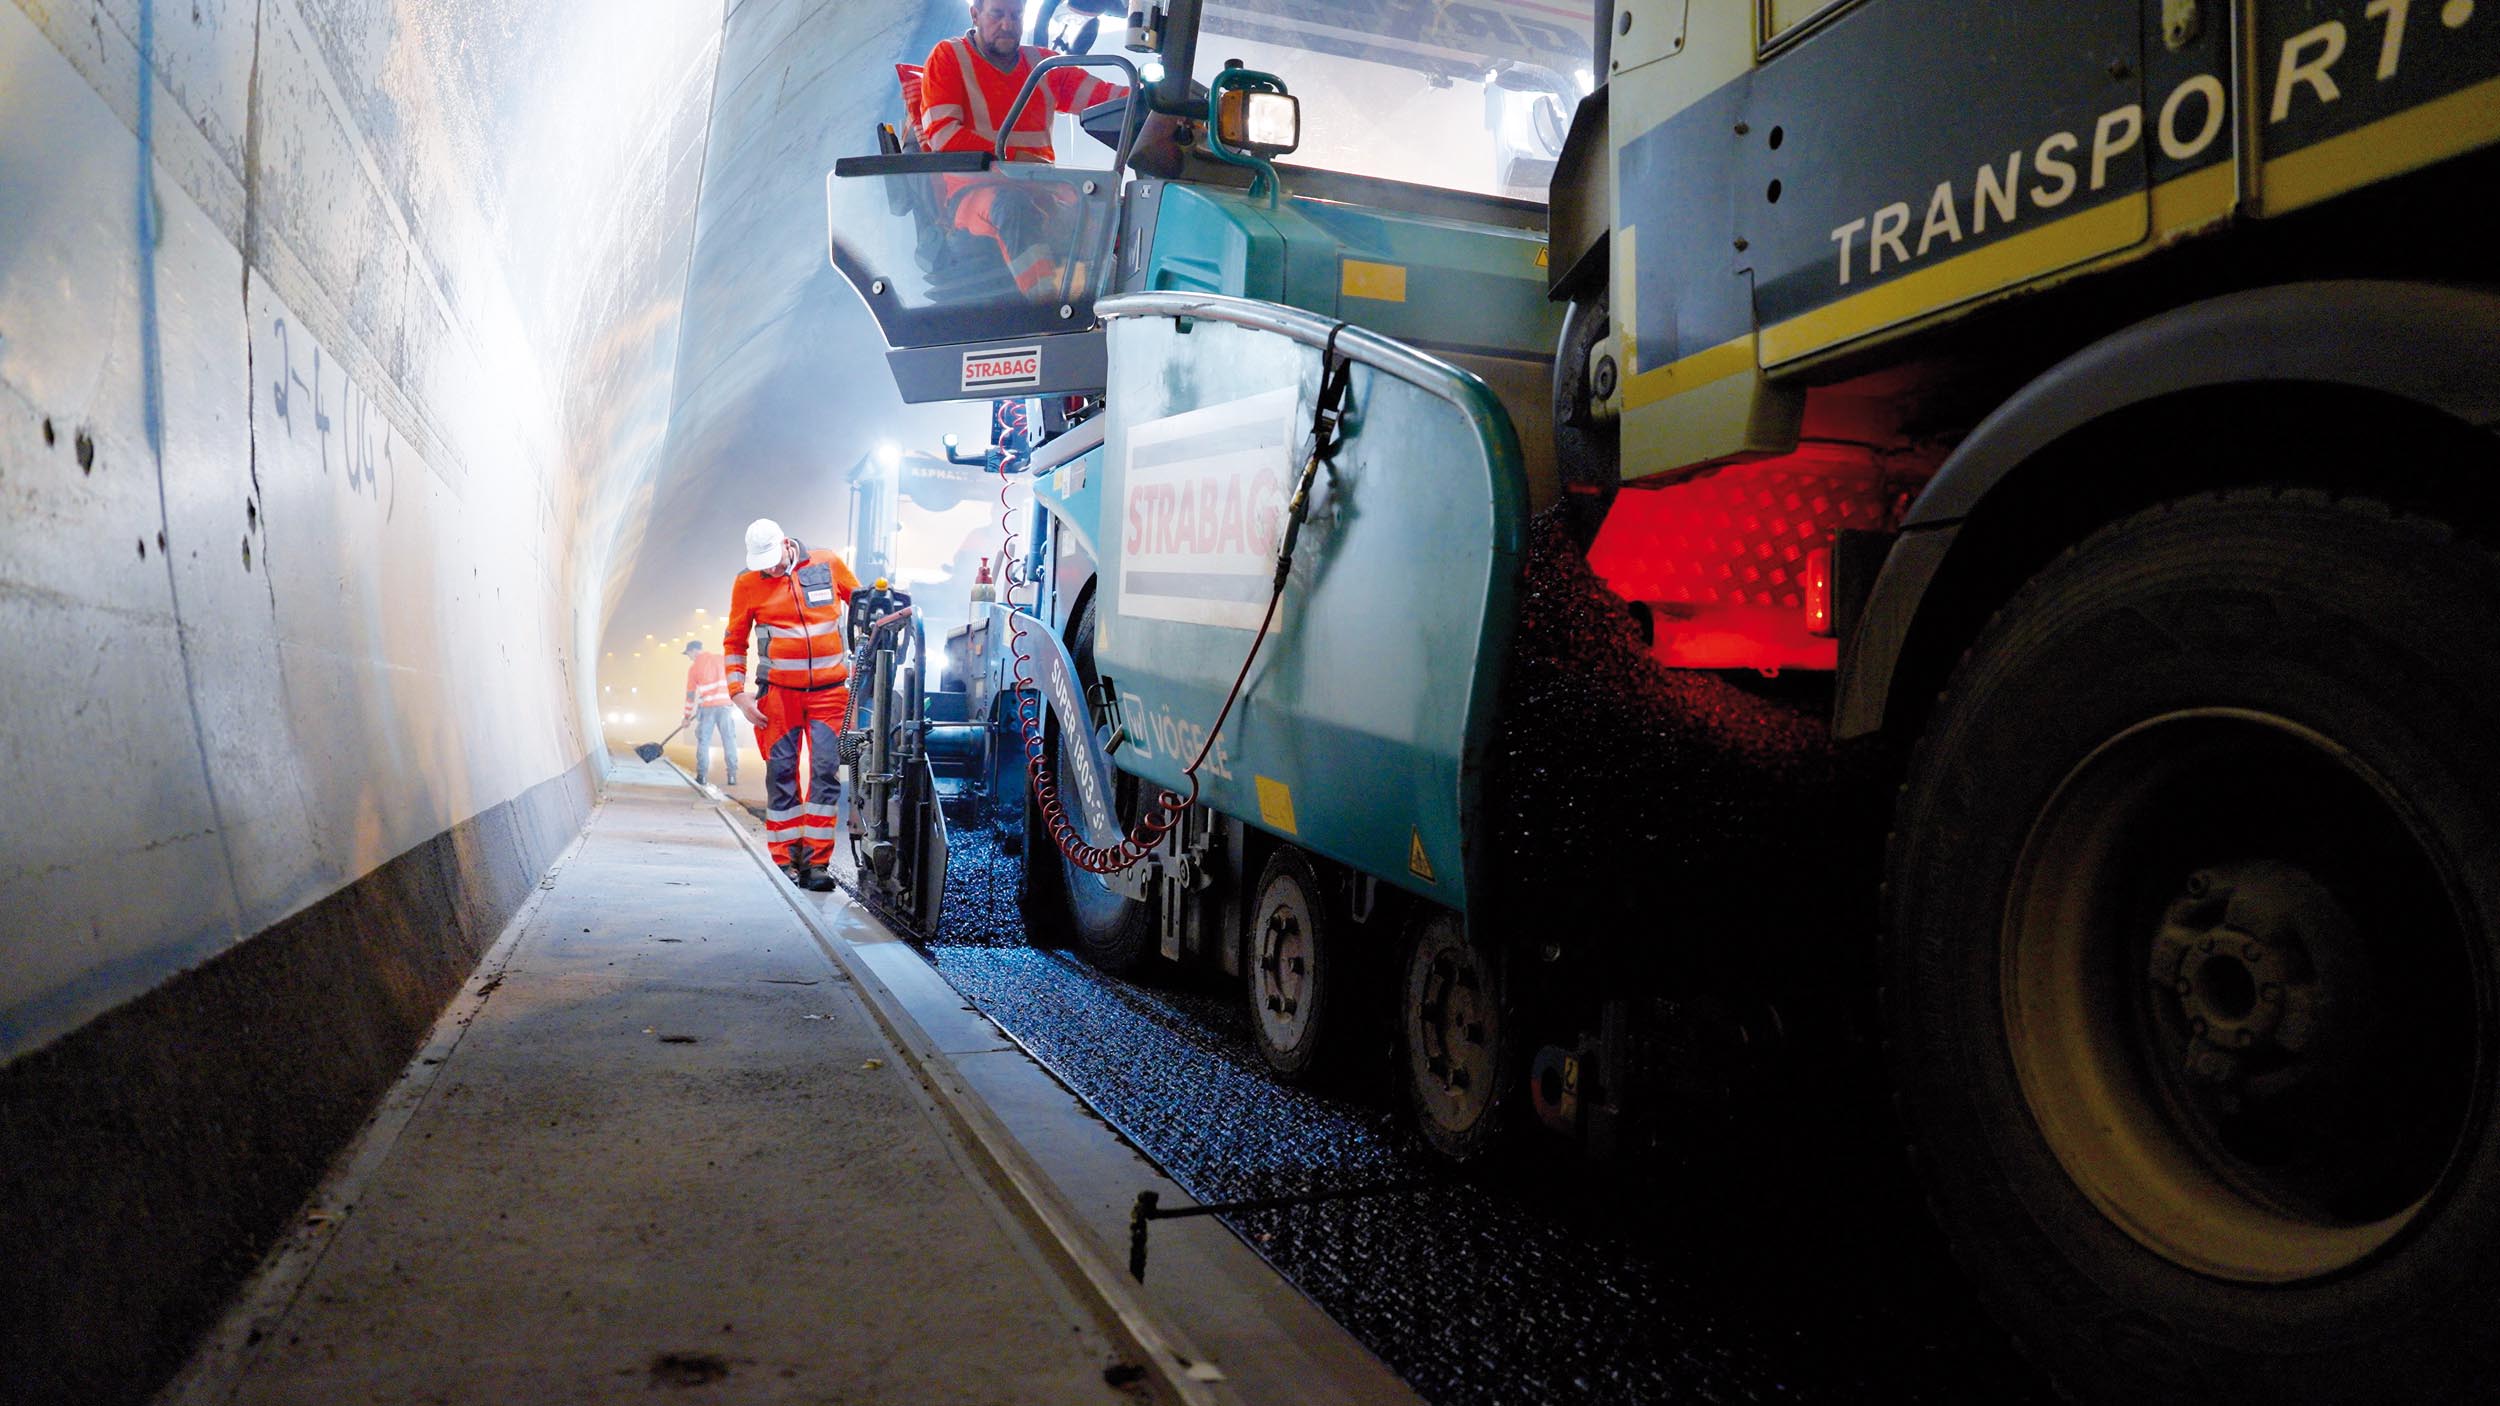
{"type": "Point", "coordinates": [1588, 452]}
{"type": "Point", "coordinates": [1109, 930]}
{"type": "Point", "coordinates": [1297, 976]}
{"type": "Point", "coordinates": [1460, 1057]}
{"type": "Point", "coordinates": [2194, 924]}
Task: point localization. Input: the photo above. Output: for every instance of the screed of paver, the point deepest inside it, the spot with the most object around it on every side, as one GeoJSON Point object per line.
{"type": "Point", "coordinates": [673, 1153]}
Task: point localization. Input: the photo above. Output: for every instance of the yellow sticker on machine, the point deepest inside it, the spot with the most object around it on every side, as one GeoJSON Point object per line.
{"type": "Point", "coordinates": [1381, 283]}
{"type": "Point", "coordinates": [1275, 804]}
{"type": "Point", "coordinates": [1417, 862]}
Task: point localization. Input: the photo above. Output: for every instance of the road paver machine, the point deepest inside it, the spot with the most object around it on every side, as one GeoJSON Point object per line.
{"type": "Point", "coordinates": [2073, 421]}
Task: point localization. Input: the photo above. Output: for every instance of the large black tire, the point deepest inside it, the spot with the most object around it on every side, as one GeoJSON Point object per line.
{"type": "Point", "coordinates": [2194, 914]}
{"type": "Point", "coordinates": [1458, 1045]}
{"type": "Point", "coordinates": [1588, 452]}
{"type": "Point", "coordinates": [1114, 933]}
{"type": "Point", "coordinates": [1301, 977]}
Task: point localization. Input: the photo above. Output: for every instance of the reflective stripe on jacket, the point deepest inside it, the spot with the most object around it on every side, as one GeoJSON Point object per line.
{"type": "Point", "coordinates": [964, 96]}
{"type": "Point", "coordinates": [798, 619]}
{"type": "Point", "coordinates": [705, 685]}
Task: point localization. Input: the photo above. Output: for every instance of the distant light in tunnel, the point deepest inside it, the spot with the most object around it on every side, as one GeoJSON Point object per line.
{"type": "Point", "coordinates": [889, 453]}
{"type": "Point", "coordinates": [1151, 70]}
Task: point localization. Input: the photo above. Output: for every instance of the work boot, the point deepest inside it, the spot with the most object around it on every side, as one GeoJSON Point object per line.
{"type": "Point", "coordinates": [819, 879]}
{"type": "Point", "coordinates": [797, 870]}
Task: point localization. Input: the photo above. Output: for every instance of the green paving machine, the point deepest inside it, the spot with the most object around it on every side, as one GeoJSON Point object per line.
{"type": "Point", "coordinates": [2087, 408]}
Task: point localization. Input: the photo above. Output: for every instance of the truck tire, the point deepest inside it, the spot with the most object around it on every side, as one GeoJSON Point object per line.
{"type": "Point", "coordinates": [1588, 452]}
{"type": "Point", "coordinates": [1110, 931]}
{"type": "Point", "coordinates": [1298, 977]}
{"type": "Point", "coordinates": [1457, 1050]}
{"type": "Point", "coordinates": [2193, 923]}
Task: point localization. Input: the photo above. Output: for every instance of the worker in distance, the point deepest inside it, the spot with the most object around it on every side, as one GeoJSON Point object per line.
{"type": "Point", "coordinates": [791, 602]}
{"type": "Point", "coordinates": [707, 707]}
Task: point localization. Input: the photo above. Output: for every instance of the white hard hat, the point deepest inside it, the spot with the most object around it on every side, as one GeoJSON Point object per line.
{"type": "Point", "coordinates": [763, 544]}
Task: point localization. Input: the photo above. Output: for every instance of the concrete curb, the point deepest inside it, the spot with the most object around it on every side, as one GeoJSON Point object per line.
{"type": "Point", "coordinates": [1178, 1371]}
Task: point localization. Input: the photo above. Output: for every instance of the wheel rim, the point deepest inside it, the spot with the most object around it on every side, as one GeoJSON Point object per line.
{"type": "Point", "coordinates": [1285, 966]}
{"type": "Point", "coordinates": [2238, 998]}
{"type": "Point", "coordinates": [1452, 1027]}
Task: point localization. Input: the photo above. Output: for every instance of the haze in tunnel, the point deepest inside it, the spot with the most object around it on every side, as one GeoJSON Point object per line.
{"type": "Point", "coordinates": [782, 390]}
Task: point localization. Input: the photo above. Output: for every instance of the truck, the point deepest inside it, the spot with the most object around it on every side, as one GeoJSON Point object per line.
{"type": "Point", "coordinates": [2032, 468]}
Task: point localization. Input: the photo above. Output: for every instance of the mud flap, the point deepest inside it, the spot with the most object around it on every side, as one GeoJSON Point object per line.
{"type": "Point", "coordinates": [1085, 768]}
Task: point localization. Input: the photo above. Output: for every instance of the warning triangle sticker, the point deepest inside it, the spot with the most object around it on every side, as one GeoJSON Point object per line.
{"type": "Point", "coordinates": [1416, 863]}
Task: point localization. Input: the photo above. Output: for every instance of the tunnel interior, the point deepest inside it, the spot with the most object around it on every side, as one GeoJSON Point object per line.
{"type": "Point", "coordinates": [386, 387]}
{"type": "Point", "coordinates": [365, 371]}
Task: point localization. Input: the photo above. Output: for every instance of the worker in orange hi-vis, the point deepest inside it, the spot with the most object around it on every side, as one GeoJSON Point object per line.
{"type": "Point", "coordinates": [966, 88]}
{"type": "Point", "coordinates": [707, 708]}
{"type": "Point", "coordinates": [793, 600]}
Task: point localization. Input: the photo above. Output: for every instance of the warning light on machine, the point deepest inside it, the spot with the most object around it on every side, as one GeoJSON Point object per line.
{"type": "Point", "coordinates": [1816, 578]}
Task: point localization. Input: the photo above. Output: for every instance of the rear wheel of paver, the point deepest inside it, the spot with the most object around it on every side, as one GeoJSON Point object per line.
{"type": "Point", "coordinates": [2194, 912]}
{"type": "Point", "coordinates": [1458, 1052]}
{"type": "Point", "coordinates": [1298, 977]}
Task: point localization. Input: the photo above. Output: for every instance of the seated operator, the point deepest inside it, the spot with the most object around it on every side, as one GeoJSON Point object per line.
{"type": "Point", "coordinates": [967, 86]}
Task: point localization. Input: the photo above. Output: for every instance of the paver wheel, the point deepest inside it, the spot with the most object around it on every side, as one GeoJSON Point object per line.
{"type": "Point", "coordinates": [1299, 976]}
{"type": "Point", "coordinates": [2192, 901]}
{"type": "Point", "coordinates": [1458, 1051]}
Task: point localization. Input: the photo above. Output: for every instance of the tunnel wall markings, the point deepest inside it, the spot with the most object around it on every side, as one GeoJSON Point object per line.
{"type": "Point", "coordinates": [329, 372]}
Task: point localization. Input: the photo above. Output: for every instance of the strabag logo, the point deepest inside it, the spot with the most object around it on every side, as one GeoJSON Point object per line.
{"type": "Point", "coordinates": [1203, 510]}
{"type": "Point", "coordinates": [1011, 366]}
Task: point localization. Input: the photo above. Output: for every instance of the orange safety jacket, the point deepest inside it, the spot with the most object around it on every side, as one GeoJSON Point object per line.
{"type": "Point", "coordinates": [799, 616]}
{"type": "Point", "coordinates": [705, 686]}
{"type": "Point", "coordinates": [963, 97]}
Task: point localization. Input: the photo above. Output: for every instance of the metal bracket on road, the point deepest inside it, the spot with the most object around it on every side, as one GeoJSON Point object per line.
{"type": "Point", "coordinates": [1149, 1208]}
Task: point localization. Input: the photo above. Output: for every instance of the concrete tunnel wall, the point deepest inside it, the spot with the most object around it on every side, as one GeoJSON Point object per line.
{"type": "Point", "coordinates": [337, 340]}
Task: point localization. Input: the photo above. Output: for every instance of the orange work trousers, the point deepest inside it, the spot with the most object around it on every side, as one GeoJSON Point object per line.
{"type": "Point", "coordinates": [801, 803]}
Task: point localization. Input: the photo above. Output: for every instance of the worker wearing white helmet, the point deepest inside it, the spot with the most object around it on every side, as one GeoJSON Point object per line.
{"type": "Point", "coordinates": [793, 599]}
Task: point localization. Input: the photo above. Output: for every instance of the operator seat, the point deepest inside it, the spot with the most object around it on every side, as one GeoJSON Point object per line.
{"type": "Point", "coordinates": [960, 267]}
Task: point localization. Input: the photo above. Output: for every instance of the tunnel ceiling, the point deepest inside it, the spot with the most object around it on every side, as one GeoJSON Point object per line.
{"type": "Point", "coordinates": [781, 385]}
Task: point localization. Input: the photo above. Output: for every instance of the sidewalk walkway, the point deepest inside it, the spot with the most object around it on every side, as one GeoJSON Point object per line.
{"type": "Point", "coordinates": [672, 1150]}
